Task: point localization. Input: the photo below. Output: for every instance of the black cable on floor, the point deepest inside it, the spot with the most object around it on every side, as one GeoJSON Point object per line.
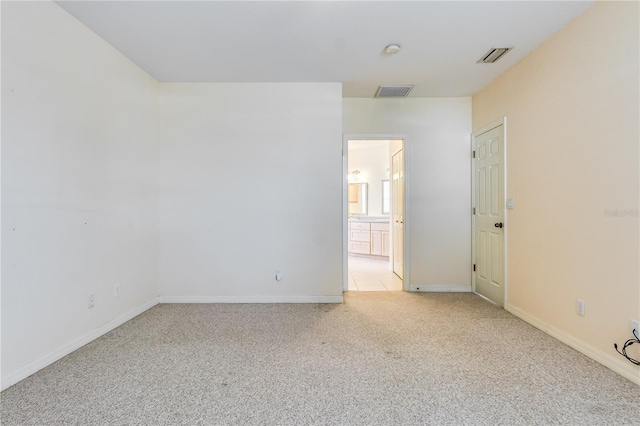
{"type": "Point", "coordinates": [626, 345]}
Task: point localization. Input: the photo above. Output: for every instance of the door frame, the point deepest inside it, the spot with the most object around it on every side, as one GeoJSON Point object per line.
{"type": "Point", "coordinates": [497, 123]}
{"type": "Point", "coordinates": [346, 137]}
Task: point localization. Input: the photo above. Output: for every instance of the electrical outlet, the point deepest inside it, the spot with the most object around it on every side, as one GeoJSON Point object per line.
{"type": "Point", "coordinates": [580, 307]}
{"type": "Point", "coordinates": [92, 301]}
{"type": "Point", "coordinates": [116, 291]}
{"type": "Point", "coordinates": [635, 325]}
{"type": "Point", "coordinates": [278, 275]}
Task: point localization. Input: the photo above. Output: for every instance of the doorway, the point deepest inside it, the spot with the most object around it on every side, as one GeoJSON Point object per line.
{"type": "Point", "coordinates": [374, 203]}
{"type": "Point", "coordinates": [489, 205]}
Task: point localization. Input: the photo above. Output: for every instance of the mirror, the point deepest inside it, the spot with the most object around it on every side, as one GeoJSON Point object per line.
{"type": "Point", "coordinates": [357, 197]}
{"type": "Point", "coordinates": [386, 197]}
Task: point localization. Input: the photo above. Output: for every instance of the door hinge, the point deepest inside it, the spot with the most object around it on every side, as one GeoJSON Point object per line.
{"type": "Point", "coordinates": [474, 210]}
{"type": "Point", "coordinates": [473, 155]}
{"type": "Point", "coordinates": [474, 267]}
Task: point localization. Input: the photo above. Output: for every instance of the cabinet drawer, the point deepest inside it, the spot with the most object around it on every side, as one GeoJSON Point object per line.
{"type": "Point", "coordinates": [360, 248]}
{"type": "Point", "coordinates": [379, 226]}
{"type": "Point", "coordinates": [360, 225]}
{"type": "Point", "coordinates": [363, 236]}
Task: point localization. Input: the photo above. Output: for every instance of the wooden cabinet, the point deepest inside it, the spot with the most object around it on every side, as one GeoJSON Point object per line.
{"type": "Point", "coordinates": [359, 238]}
{"type": "Point", "coordinates": [369, 238]}
{"type": "Point", "coordinates": [380, 239]}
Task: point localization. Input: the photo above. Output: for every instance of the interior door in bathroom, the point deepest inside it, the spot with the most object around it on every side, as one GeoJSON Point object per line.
{"type": "Point", "coordinates": [397, 206]}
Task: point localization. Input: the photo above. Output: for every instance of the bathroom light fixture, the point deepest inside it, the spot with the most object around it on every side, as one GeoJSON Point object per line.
{"type": "Point", "coordinates": [392, 49]}
{"type": "Point", "coordinates": [354, 175]}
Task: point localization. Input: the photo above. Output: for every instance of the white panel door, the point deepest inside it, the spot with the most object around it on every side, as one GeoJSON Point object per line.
{"type": "Point", "coordinates": [397, 205]}
{"type": "Point", "coordinates": [489, 217]}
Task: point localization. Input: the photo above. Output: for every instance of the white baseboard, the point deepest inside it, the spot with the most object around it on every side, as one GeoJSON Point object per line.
{"type": "Point", "coordinates": [627, 370]}
{"type": "Point", "coordinates": [441, 288]}
{"type": "Point", "coordinates": [251, 299]}
{"type": "Point", "coordinates": [24, 372]}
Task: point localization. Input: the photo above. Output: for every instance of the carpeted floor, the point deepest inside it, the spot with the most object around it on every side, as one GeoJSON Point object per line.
{"type": "Point", "coordinates": [389, 358]}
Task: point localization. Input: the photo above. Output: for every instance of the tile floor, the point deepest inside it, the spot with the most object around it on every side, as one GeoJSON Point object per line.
{"type": "Point", "coordinates": [370, 274]}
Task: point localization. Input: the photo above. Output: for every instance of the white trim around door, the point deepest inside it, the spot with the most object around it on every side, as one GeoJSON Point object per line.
{"type": "Point", "coordinates": [407, 199]}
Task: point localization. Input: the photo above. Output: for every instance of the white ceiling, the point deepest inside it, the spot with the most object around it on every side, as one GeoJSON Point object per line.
{"type": "Point", "coordinates": [326, 41]}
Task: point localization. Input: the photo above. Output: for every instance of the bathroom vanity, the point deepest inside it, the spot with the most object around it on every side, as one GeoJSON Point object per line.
{"type": "Point", "coordinates": [369, 236]}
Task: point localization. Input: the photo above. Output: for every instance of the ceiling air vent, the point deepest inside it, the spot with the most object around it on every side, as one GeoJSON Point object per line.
{"type": "Point", "coordinates": [393, 91]}
{"type": "Point", "coordinates": [493, 55]}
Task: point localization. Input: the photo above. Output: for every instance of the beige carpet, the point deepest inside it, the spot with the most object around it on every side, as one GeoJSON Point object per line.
{"type": "Point", "coordinates": [379, 359]}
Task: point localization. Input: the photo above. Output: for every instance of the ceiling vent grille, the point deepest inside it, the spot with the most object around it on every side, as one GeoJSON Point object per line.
{"type": "Point", "coordinates": [393, 91]}
{"type": "Point", "coordinates": [493, 55]}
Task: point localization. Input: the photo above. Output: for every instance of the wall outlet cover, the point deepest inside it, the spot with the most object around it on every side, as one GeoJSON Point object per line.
{"type": "Point", "coordinates": [511, 204]}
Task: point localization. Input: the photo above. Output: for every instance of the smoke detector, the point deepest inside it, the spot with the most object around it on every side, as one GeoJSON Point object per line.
{"type": "Point", "coordinates": [392, 49]}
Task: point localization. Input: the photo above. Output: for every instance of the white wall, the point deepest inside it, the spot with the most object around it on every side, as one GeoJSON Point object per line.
{"type": "Point", "coordinates": [438, 172]}
{"type": "Point", "coordinates": [572, 155]}
{"type": "Point", "coordinates": [372, 159]}
{"type": "Point", "coordinates": [79, 185]}
{"type": "Point", "coordinates": [251, 182]}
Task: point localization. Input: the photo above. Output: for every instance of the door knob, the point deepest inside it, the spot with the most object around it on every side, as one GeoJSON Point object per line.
{"type": "Point", "coordinates": [498, 225]}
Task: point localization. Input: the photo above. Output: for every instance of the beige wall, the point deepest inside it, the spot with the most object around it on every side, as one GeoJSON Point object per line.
{"type": "Point", "coordinates": [437, 157]}
{"type": "Point", "coordinates": [572, 155]}
{"type": "Point", "coordinates": [250, 183]}
{"type": "Point", "coordinates": [79, 187]}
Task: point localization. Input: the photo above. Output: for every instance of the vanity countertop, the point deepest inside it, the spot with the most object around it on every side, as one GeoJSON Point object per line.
{"type": "Point", "coordinates": [370, 219]}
